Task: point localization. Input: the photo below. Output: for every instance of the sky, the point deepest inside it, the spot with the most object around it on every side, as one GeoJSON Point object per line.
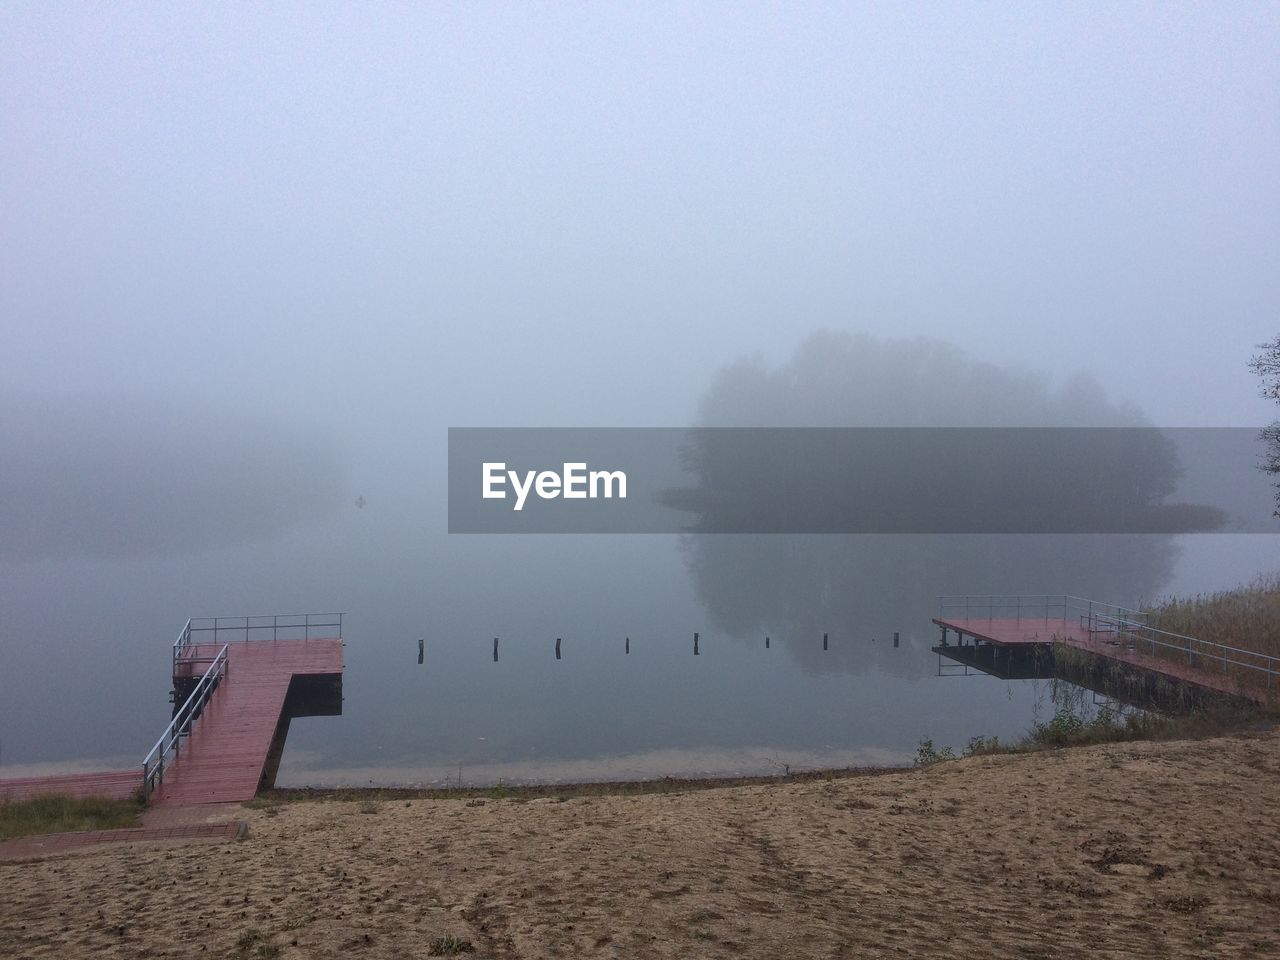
{"type": "Point", "coordinates": [387, 219]}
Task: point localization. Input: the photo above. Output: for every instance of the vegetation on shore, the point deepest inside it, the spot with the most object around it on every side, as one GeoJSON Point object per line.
{"type": "Point", "coordinates": [59, 814]}
{"type": "Point", "coordinates": [1247, 617]}
{"type": "Point", "coordinates": [1072, 727]}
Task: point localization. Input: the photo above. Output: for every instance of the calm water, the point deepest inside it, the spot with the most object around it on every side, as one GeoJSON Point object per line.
{"type": "Point", "coordinates": [84, 645]}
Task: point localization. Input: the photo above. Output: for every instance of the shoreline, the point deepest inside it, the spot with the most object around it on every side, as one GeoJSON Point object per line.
{"type": "Point", "coordinates": [576, 788]}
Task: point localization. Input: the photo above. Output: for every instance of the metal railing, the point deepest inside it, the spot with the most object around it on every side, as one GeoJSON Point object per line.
{"type": "Point", "coordinates": [1143, 637]}
{"type": "Point", "coordinates": [184, 718]}
{"type": "Point", "coordinates": [1030, 607]}
{"type": "Point", "coordinates": [184, 640]}
{"type": "Point", "coordinates": [286, 626]}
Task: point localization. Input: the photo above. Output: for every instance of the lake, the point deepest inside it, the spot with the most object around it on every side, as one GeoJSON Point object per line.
{"type": "Point", "coordinates": [84, 645]}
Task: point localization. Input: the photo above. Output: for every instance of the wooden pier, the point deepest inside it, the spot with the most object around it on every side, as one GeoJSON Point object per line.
{"type": "Point", "coordinates": [1022, 646]}
{"type": "Point", "coordinates": [234, 747]}
{"type": "Point", "coordinates": [237, 684]}
{"type": "Point", "coordinates": [112, 784]}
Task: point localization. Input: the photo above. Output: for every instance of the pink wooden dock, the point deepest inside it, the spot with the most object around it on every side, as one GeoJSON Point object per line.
{"type": "Point", "coordinates": [236, 742]}
{"type": "Point", "coordinates": [1009, 631]}
{"type": "Point", "coordinates": [224, 759]}
{"type": "Point", "coordinates": [35, 848]}
{"type": "Point", "coordinates": [113, 784]}
{"type": "Point", "coordinates": [1015, 632]}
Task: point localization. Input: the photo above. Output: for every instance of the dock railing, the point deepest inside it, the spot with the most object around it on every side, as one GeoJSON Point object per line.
{"type": "Point", "coordinates": [153, 764]}
{"type": "Point", "coordinates": [283, 626]}
{"type": "Point", "coordinates": [1247, 665]}
{"type": "Point", "coordinates": [1029, 607]}
{"type": "Point", "coordinates": [1109, 623]}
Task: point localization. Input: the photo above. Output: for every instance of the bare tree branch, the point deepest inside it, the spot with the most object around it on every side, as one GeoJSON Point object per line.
{"type": "Point", "coordinates": [1267, 366]}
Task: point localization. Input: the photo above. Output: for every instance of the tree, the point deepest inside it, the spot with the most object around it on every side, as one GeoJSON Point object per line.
{"type": "Point", "coordinates": [796, 586]}
{"type": "Point", "coordinates": [1267, 366]}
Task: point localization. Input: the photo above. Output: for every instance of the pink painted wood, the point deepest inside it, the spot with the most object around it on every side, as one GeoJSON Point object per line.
{"type": "Point", "coordinates": [114, 784]}
{"type": "Point", "coordinates": [1011, 632]}
{"type": "Point", "coordinates": [223, 759]}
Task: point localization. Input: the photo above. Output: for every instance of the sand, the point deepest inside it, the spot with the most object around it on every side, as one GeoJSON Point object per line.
{"type": "Point", "coordinates": [1128, 850]}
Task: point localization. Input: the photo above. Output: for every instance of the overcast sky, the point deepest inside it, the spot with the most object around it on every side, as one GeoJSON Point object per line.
{"type": "Point", "coordinates": [395, 218]}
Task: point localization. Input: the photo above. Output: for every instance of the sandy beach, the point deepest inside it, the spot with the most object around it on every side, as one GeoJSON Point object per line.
{"type": "Point", "coordinates": [1128, 850]}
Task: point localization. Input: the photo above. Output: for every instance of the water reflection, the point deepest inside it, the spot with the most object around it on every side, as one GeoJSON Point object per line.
{"type": "Point", "coordinates": [827, 645]}
{"type": "Point", "coordinates": [864, 589]}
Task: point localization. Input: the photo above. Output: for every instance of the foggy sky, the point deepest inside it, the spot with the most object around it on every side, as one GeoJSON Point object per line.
{"type": "Point", "coordinates": [394, 219]}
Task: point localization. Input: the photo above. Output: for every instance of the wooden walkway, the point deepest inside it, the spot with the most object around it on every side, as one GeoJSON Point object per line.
{"type": "Point", "coordinates": [236, 740]}
{"type": "Point", "coordinates": [113, 784]}
{"type": "Point", "coordinates": [1009, 632]}
{"type": "Point", "coordinates": [224, 758]}
{"type": "Point", "coordinates": [35, 848]}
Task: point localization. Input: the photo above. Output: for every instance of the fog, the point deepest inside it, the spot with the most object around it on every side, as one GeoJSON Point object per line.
{"type": "Point", "coordinates": [863, 585]}
{"type": "Point", "coordinates": [255, 261]}
{"type": "Point", "coordinates": [390, 222]}
{"type": "Point", "coordinates": [115, 477]}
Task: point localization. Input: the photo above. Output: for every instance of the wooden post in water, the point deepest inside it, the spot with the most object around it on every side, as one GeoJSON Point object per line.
{"type": "Point", "coordinates": [495, 649]}
{"type": "Point", "coordinates": [766, 643]}
{"type": "Point", "coordinates": [557, 648]}
{"type": "Point", "coordinates": [422, 643]}
{"type": "Point", "coordinates": [627, 648]}
{"type": "Point", "coordinates": [895, 639]}
{"type": "Point", "coordinates": [695, 644]}
{"type": "Point", "coordinates": [824, 641]}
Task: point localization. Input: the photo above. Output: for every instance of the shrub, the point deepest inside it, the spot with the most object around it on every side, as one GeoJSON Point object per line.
{"type": "Point", "coordinates": [927, 754]}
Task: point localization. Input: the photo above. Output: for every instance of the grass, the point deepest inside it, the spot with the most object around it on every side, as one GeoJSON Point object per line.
{"type": "Point", "coordinates": [253, 944]}
{"type": "Point", "coordinates": [59, 814]}
{"type": "Point", "coordinates": [1174, 712]}
{"type": "Point", "coordinates": [1068, 728]}
{"type": "Point", "coordinates": [1213, 719]}
{"type": "Point", "coordinates": [449, 946]}
{"type": "Point", "coordinates": [1247, 616]}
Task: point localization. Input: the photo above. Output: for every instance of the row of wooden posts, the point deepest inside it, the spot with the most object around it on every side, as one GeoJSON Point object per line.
{"type": "Point", "coordinates": [626, 648]}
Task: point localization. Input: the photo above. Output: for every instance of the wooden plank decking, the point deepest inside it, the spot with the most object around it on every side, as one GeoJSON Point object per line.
{"type": "Point", "coordinates": [223, 759]}
{"type": "Point", "coordinates": [113, 784]}
{"type": "Point", "coordinates": [34, 848]}
{"type": "Point", "coordinates": [1009, 632]}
